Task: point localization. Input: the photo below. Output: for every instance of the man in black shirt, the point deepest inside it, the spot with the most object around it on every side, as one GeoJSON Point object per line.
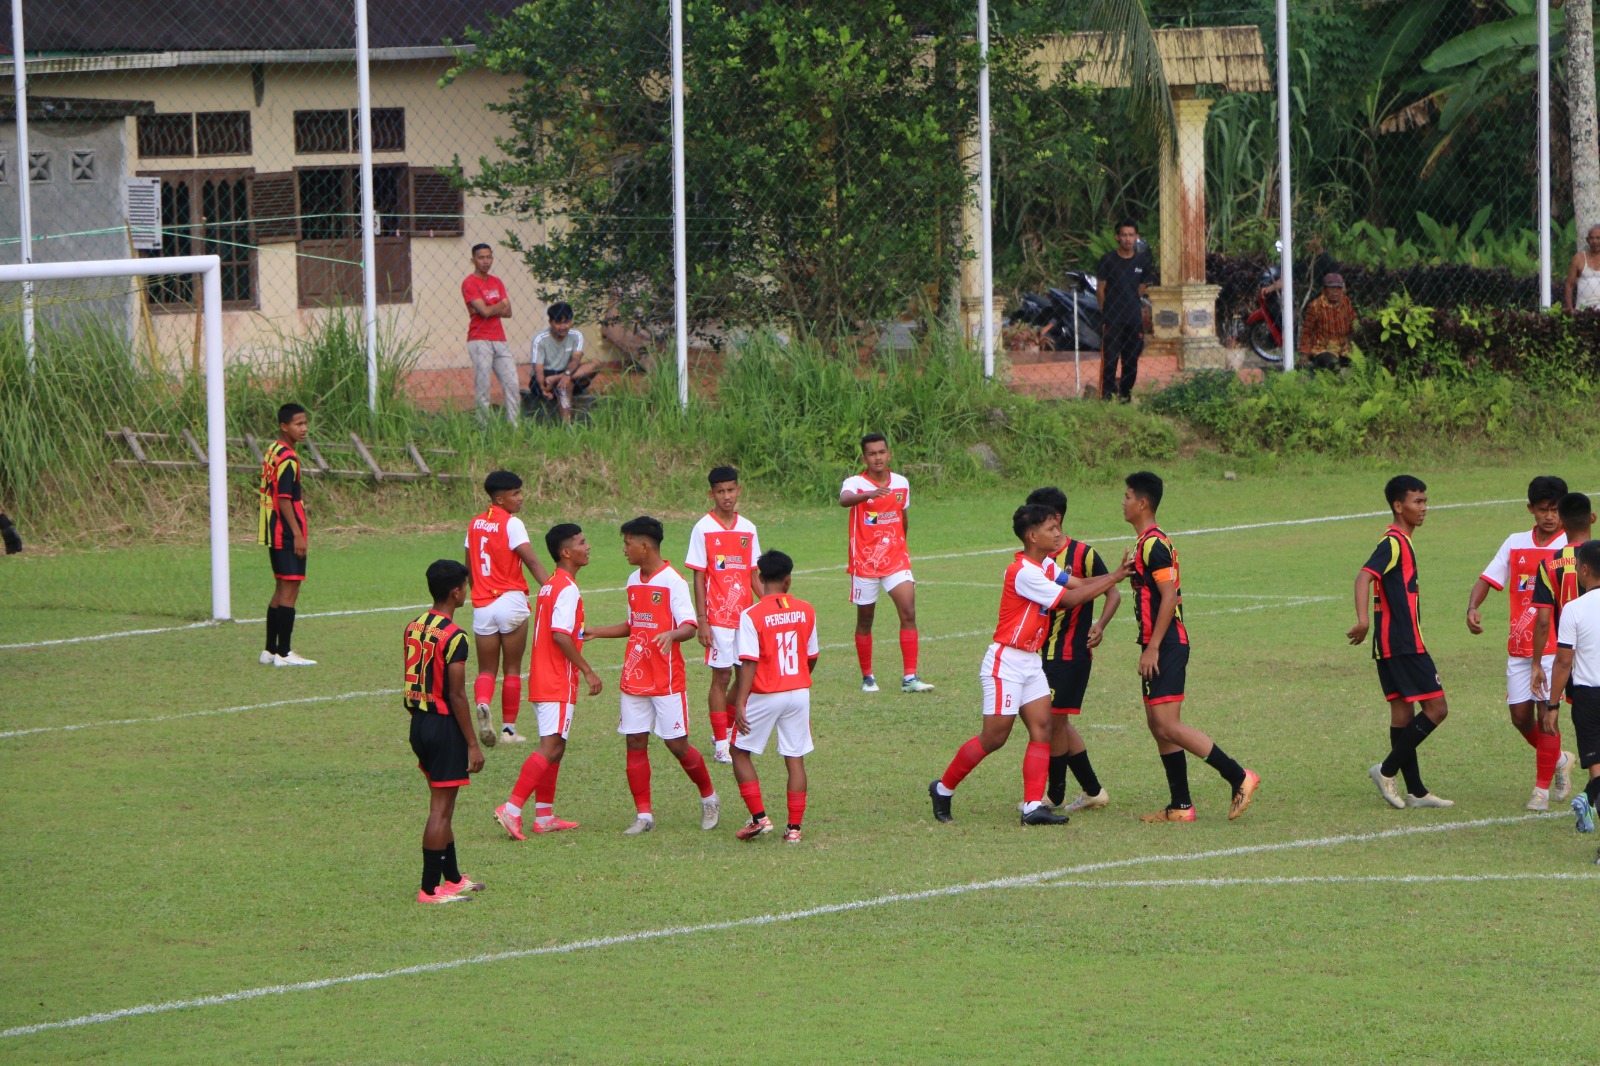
{"type": "Point", "coordinates": [1123, 277]}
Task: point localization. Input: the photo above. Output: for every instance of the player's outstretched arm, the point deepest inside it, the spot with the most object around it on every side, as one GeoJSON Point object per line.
{"type": "Point", "coordinates": [615, 632]}
{"type": "Point", "coordinates": [456, 682]}
{"type": "Point", "coordinates": [1358, 632]}
{"type": "Point", "coordinates": [530, 559]}
{"type": "Point", "coordinates": [569, 648]}
{"type": "Point", "coordinates": [1475, 598]}
{"type": "Point", "coordinates": [1083, 590]}
{"type": "Point", "coordinates": [850, 499]}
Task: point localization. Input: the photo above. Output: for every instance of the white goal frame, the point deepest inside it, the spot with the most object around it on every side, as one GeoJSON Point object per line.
{"type": "Point", "coordinates": [209, 267]}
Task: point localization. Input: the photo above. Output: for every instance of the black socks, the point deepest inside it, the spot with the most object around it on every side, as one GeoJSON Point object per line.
{"type": "Point", "coordinates": [1408, 763]}
{"type": "Point", "coordinates": [1081, 770]}
{"type": "Point", "coordinates": [451, 871]}
{"type": "Point", "coordinates": [280, 627]}
{"type": "Point", "coordinates": [1406, 741]}
{"type": "Point", "coordinates": [1056, 790]}
{"type": "Point", "coordinates": [432, 869]}
{"type": "Point", "coordinates": [1177, 779]}
{"type": "Point", "coordinates": [1231, 771]}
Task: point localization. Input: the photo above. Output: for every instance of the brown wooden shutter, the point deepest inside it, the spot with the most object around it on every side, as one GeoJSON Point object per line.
{"type": "Point", "coordinates": [274, 207]}
{"type": "Point", "coordinates": [437, 204]}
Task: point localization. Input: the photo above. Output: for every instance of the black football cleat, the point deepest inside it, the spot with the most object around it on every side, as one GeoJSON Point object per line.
{"type": "Point", "coordinates": [941, 804]}
{"type": "Point", "coordinates": [1042, 815]}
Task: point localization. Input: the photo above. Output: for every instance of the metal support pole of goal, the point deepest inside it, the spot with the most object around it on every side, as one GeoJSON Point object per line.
{"type": "Point", "coordinates": [985, 219]}
{"type": "Point", "coordinates": [680, 240]}
{"type": "Point", "coordinates": [1285, 197]}
{"type": "Point", "coordinates": [19, 81]}
{"type": "Point", "coordinates": [1545, 296]}
{"type": "Point", "coordinates": [369, 266]}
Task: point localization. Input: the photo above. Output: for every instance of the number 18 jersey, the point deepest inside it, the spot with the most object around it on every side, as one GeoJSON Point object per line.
{"type": "Point", "coordinates": [779, 634]}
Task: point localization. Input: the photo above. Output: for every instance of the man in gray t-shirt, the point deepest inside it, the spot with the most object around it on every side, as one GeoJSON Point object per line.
{"type": "Point", "coordinates": [559, 370]}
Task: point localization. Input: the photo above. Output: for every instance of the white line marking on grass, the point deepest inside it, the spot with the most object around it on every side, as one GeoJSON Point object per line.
{"type": "Point", "coordinates": [817, 570]}
{"type": "Point", "coordinates": [197, 714]}
{"type": "Point", "coordinates": [1338, 879]}
{"type": "Point", "coordinates": [1018, 881]}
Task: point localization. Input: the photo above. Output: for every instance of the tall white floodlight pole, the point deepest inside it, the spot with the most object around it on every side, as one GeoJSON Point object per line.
{"type": "Point", "coordinates": [369, 265]}
{"type": "Point", "coordinates": [19, 79]}
{"type": "Point", "coordinates": [985, 221]}
{"type": "Point", "coordinates": [1544, 153]}
{"type": "Point", "coordinates": [680, 240]}
{"type": "Point", "coordinates": [1285, 199]}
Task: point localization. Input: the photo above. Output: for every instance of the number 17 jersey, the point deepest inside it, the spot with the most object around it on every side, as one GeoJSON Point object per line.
{"type": "Point", "coordinates": [779, 634]}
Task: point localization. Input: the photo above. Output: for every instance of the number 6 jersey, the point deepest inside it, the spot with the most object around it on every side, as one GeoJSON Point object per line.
{"type": "Point", "coordinates": [779, 634]}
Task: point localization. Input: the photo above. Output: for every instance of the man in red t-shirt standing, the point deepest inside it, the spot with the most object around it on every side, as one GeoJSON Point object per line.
{"type": "Point", "coordinates": [487, 304]}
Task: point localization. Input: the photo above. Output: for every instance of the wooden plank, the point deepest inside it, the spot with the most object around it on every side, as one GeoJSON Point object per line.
{"type": "Point", "coordinates": [416, 457]}
{"type": "Point", "coordinates": [255, 449]}
{"type": "Point", "coordinates": [194, 446]}
{"type": "Point", "coordinates": [366, 457]}
{"type": "Point", "coordinates": [183, 464]}
{"type": "Point", "coordinates": [133, 445]}
{"type": "Point", "coordinates": [316, 456]}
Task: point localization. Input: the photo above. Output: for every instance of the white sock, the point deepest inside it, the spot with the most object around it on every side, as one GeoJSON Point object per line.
{"type": "Point", "coordinates": [543, 812]}
{"type": "Point", "coordinates": [938, 787]}
{"type": "Point", "coordinates": [1029, 808]}
{"type": "Point", "coordinates": [646, 816]}
{"type": "Point", "coordinates": [513, 810]}
{"type": "Point", "coordinates": [713, 798]}
{"type": "Point", "coordinates": [509, 729]}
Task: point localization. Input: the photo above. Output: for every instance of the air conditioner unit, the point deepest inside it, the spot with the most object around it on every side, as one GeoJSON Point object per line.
{"type": "Point", "coordinates": [142, 202]}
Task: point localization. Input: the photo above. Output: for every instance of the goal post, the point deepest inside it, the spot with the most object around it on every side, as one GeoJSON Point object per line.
{"type": "Point", "coordinates": [209, 267]}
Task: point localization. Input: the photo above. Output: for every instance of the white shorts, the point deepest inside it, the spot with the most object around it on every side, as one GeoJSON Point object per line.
{"type": "Point", "coordinates": [1011, 678]}
{"type": "Point", "coordinates": [555, 719]}
{"type": "Point", "coordinates": [724, 651]}
{"type": "Point", "coordinates": [1519, 677]}
{"type": "Point", "coordinates": [665, 716]}
{"type": "Point", "coordinates": [864, 590]}
{"type": "Point", "coordinates": [504, 615]}
{"type": "Point", "coordinates": [789, 711]}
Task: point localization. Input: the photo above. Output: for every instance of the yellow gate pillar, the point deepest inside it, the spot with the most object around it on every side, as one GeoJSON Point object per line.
{"type": "Point", "coordinates": [1183, 305]}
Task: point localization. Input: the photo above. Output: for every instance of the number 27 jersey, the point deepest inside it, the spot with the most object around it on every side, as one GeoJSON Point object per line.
{"type": "Point", "coordinates": [779, 634]}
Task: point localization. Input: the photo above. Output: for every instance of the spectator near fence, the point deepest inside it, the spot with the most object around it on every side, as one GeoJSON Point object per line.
{"type": "Point", "coordinates": [1583, 278]}
{"type": "Point", "coordinates": [1327, 324]}
{"type": "Point", "coordinates": [488, 305]}
{"type": "Point", "coordinates": [1123, 278]}
{"type": "Point", "coordinates": [559, 371]}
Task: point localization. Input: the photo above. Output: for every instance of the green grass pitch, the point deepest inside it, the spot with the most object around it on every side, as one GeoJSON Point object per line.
{"type": "Point", "coordinates": [179, 855]}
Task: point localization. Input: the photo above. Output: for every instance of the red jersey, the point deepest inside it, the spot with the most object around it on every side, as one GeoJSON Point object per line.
{"type": "Point", "coordinates": [1396, 597]}
{"type": "Point", "coordinates": [492, 542]}
{"type": "Point", "coordinates": [280, 480]}
{"type": "Point", "coordinates": [491, 290]}
{"type": "Point", "coordinates": [552, 677]}
{"type": "Point", "coordinates": [878, 527]}
{"type": "Point", "coordinates": [1515, 570]}
{"type": "Point", "coordinates": [656, 604]}
{"type": "Point", "coordinates": [779, 634]}
{"type": "Point", "coordinates": [726, 555]}
{"type": "Point", "coordinates": [432, 642]}
{"type": "Point", "coordinates": [1558, 584]}
{"type": "Point", "coordinates": [1027, 597]}
{"type": "Point", "coordinates": [1155, 560]}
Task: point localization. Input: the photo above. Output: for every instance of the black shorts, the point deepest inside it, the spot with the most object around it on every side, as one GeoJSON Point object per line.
{"type": "Point", "coordinates": [1412, 678]}
{"type": "Point", "coordinates": [286, 565]}
{"type": "Point", "coordinates": [1069, 680]}
{"type": "Point", "coordinates": [440, 747]}
{"type": "Point", "coordinates": [1586, 723]}
{"type": "Point", "coordinates": [1172, 662]}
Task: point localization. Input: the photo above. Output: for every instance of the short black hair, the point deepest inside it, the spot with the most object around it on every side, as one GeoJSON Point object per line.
{"type": "Point", "coordinates": [1575, 509]}
{"type": "Point", "coordinates": [1589, 555]}
{"type": "Point", "coordinates": [872, 438]}
{"type": "Point", "coordinates": [1126, 223]}
{"type": "Point", "coordinates": [774, 565]}
{"type": "Point", "coordinates": [1050, 497]}
{"type": "Point", "coordinates": [719, 474]}
{"type": "Point", "coordinates": [644, 526]}
{"type": "Point", "coordinates": [1397, 487]}
{"type": "Point", "coordinates": [1546, 488]}
{"type": "Point", "coordinates": [560, 311]}
{"type": "Point", "coordinates": [558, 536]}
{"type": "Point", "coordinates": [500, 481]}
{"type": "Point", "coordinates": [287, 412]}
{"type": "Point", "coordinates": [1146, 486]}
{"type": "Point", "coordinates": [479, 247]}
{"type": "Point", "coordinates": [444, 577]}
{"type": "Point", "coordinates": [1030, 516]}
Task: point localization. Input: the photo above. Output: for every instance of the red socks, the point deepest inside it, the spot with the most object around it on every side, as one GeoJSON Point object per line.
{"type": "Point", "coordinates": [750, 792]}
{"type": "Point", "coordinates": [510, 699]}
{"type": "Point", "coordinates": [797, 808]}
{"type": "Point", "coordinates": [1035, 768]}
{"type": "Point", "coordinates": [483, 688]}
{"type": "Point", "coordinates": [694, 764]}
{"type": "Point", "coordinates": [864, 653]}
{"type": "Point", "coordinates": [721, 721]}
{"type": "Point", "coordinates": [545, 793]}
{"type": "Point", "coordinates": [639, 779]}
{"type": "Point", "coordinates": [532, 775]}
{"type": "Point", "coordinates": [967, 760]}
{"type": "Point", "coordinates": [1547, 752]}
{"type": "Point", "coordinates": [908, 650]}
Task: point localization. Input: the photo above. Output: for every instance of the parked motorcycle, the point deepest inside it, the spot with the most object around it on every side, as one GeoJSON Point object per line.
{"type": "Point", "coordinates": [1264, 328]}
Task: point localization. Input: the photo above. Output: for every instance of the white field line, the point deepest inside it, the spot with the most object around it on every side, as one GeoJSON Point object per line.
{"type": "Point", "coordinates": [1406, 879]}
{"type": "Point", "coordinates": [1108, 538]}
{"type": "Point", "coordinates": [1019, 881]}
{"type": "Point", "coordinates": [197, 714]}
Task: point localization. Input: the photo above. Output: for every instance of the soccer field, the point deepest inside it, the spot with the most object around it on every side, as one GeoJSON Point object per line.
{"type": "Point", "coordinates": [210, 860]}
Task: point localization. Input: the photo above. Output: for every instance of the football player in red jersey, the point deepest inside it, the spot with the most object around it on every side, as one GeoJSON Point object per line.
{"type": "Point", "coordinates": [282, 528]}
{"type": "Point", "coordinates": [498, 550]}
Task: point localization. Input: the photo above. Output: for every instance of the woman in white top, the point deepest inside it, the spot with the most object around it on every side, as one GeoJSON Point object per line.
{"type": "Point", "coordinates": [1583, 278]}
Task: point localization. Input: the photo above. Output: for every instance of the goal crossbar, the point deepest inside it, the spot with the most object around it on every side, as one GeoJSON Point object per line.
{"type": "Point", "coordinates": [209, 267]}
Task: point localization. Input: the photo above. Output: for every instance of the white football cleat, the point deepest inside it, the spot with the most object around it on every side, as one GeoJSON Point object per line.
{"type": "Point", "coordinates": [1540, 800]}
{"type": "Point", "coordinates": [1561, 784]}
{"type": "Point", "coordinates": [270, 659]}
{"type": "Point", "coordinates": [640, 825]}
{"type": "Point", "coordinates": [720, 751]}
{"type": "Point", "coordinates": [510, 735]}
{"type": "Point", "coordinates": [1428, 799]}
{"type": "Point", "coordinates": [1386, 787]}
{"type": "Point", "coordinates": [710, 812]}
{"type": "Point", "coordinates": [486, 734]}
{"type": "Point", "coordinates": [1086, 802]}
{"type": "Point", "coordinates": [294, 658]}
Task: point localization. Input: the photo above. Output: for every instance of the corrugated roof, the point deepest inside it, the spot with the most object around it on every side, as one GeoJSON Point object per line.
{"type": "Point", "coordinates": [73, 108]}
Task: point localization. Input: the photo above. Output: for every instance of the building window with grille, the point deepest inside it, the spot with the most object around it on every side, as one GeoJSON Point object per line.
{"type": "Point", "coordinates": [206, 213]}
{"type": "Point", "coordinates": [186, 134]}
{"type": "Point", "coordinates": [329, 132]}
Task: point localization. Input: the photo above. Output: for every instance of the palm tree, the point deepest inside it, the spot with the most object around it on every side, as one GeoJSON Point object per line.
{"type": "Point", "coordinates": [1581, 123]}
